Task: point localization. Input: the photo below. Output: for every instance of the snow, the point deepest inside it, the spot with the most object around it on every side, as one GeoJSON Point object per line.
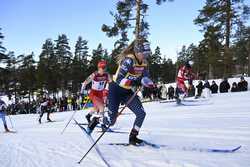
{"type": "Point", "coordinates": [220, 122]}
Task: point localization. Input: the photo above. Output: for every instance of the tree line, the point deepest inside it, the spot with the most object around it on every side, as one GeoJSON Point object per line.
{"type": "Point", "coordinates": [225, 47]}
{"type": "Point", "coordinates": [223, 51]}
{"type": "Point", "coordinates": [61, 68]}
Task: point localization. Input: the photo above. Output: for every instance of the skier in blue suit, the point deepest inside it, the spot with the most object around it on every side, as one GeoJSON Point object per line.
{"type": "Point", "coordinates": [132, 71]}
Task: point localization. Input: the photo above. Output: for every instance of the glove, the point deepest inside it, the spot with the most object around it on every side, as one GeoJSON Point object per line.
{"type": "Point", "coordinates": [146, 82]}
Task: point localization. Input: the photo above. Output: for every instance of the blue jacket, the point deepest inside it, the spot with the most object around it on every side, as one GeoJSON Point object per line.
{"type": "Point", "coordinates": [130, 71]}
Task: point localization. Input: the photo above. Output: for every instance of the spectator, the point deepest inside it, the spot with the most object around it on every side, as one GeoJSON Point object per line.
{"type": "Point", "coordinates": [206, 93]}
{"type": "Point", "coordinates": [224, 86]}
{"type": "Point", "coordinates": [207, 84]}
{"type": "Point", "coordinates": [191, 91]}
{"type": "Point", "coordinates": [199, 88]}
{"type": "Point", "coordinates": [234, 87]}
{"type": "Point", "coordinates": [242, 85]}
{"type": "Point", "coordinates": [170, 92]}
{"type": "Point", "coordinates": [70, 103]}
{"type": "Point", "coordinates": [214, 87]}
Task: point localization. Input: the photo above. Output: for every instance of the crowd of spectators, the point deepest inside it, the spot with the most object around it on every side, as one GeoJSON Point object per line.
{"type": "Point", "coordinates": [160, 92]}
{"type": "Point", "coordinates": [69, 103]}
{"type": "Point", "coordinates": [65, 103]}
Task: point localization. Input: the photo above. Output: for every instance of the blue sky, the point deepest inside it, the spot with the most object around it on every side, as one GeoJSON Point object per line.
{"type": "Point", "coordinates": [26, 24]}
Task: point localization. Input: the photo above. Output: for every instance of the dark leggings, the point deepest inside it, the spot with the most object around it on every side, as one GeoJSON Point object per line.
{"type": "Point", "coordinates": [43, 110]}
{"type": "Point", "coordinates": [118, 95]}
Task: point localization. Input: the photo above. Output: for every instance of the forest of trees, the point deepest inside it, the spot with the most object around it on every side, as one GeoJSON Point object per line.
{"type": "Point", "coordinates": [223, 51]}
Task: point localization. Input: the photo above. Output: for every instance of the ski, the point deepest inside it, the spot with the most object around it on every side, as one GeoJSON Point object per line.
{"type": "Point", "coordinates": [11, 131]}
{"type": "Point", "coordinates": [144, 143]}
{"type": "Point", "coordinates": [167, 101]}
{"type": "Point", "coordinates": [185, 100]}
{"type": "Point", "coordinates": [92, 141]}
{"type": "Point", "coordinates": [158, 146]}
{"type": "Point", "coordinates": [113, 131]}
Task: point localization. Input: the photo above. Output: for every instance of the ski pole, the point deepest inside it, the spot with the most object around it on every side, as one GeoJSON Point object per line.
{"type": "Point", "coordinates": [72, 116]}
{"type": "Point", "coordinates": [93, 145]}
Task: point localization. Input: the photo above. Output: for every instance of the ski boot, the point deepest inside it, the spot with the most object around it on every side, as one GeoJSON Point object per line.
{"type": "Point", "coordinates": [49, 120]}
{"type": "Point", "coordinates": [88, 116]}
{"type": "Point", "coordinates": [104, 128]}
{"type": "Point", "coordinates": [133, 140]}
{"type": "Point", "coordinates": [6, 128]}
{"type": "Point", "coordinates": [92, 124]}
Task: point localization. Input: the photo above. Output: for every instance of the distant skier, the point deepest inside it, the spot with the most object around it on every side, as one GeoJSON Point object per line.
{"type": "Point", "coordinates": [45, 106]}
{"type": "Point", "coordinates": [184, 73]}
{"type": "Point", "coordinates": [3, 108]}
{"type": "Point", "coordinates": [132, 71]}
{"type": "Point", "coordinates": [98, 93]}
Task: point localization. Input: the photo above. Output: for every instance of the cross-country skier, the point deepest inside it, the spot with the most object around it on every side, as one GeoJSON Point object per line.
{"type": "Point", "coordinates": [98, 93]}
{"type": "Point", "coordinates": [45, 106]}
{"type": "Point", "coordinates": [184, 73]}
{"type": "Point", "coordinates": [132, 71]}
{"type": "Point", "coordinates": [3, 108]}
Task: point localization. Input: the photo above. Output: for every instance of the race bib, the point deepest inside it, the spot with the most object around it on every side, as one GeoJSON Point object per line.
{"type": "Point", "coordinates": [98, 85]}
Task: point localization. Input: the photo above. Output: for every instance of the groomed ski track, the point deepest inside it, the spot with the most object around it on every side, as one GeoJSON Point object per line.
{"type": "Point", "coordinates": [224, 122]}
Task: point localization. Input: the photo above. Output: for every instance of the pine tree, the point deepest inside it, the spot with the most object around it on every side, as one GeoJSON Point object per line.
{"type": "Point", "coordinates": [81, 50]}
{"type": "Point", "coordinates": [154, 64]}
{"type": "Point", "coordinates": [27, 74]}
{"type": "Point", "coordinates": [97, 55]}
{"type": "Point", "coordinates": [47, 69]}
{"type": "Point", "coordinates": [2, 49]}
{"type": "Point", "coordinates": [167, 71]}
{"type": "Point", "coordinates": [79, 65]}
{"type": "Point", "coordinates": [241, 48]}
{"type": "Point", "coordinates": [130, 17]}
{"type": "Point", "coordinates": [64, 60]}
{"type": "Point", "coordinates": [223, 15]}
{"type": "Point", "coordinates": [9, 75]}
{"type": "Point", "coordinates": [3, 58]}
{"type": "Point", "coordinates": [213, 48]}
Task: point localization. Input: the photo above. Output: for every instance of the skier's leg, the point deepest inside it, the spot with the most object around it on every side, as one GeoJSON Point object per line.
{"type": "Point", "coordinates": [48, 114]}
{"type": "Point", "coordinates": [41, 114]}
{"type": "Point", "coordinates": [180, 91]}
{"type": "Point", "coordinates": [98, 105]}
{"type": "Point", "coordinates": [138, 110]}
{"type": "Point", "coordinates": [2, 115]}
{"type": "Point", "coordinates": [94, 110]}
{"type": "Point", "coordinates": [114, 99]}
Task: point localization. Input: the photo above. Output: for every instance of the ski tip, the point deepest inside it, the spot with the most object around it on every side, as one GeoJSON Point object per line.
{"type": "Point", "coordinates": [237, 148]}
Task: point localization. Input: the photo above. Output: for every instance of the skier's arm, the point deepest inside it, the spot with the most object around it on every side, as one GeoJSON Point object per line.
{"type": "Point", "coordinates": [87, 81]}
{"type": "Point", "coordinates": [126, 65]}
